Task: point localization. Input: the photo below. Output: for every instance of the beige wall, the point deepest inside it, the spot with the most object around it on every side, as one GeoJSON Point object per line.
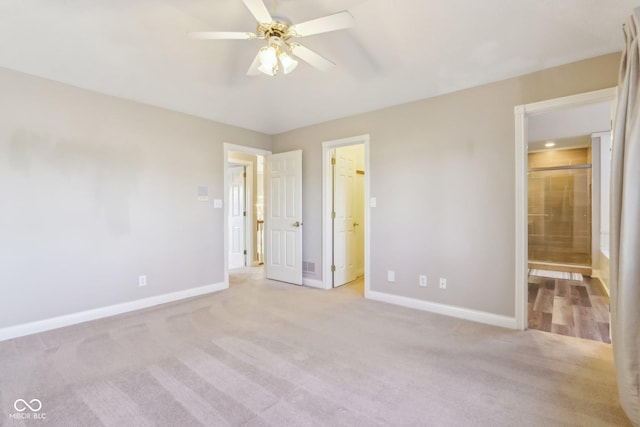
{"type": "Point", "coordinates": [442, 170]}
{"type": "Point", "coordinates": [98, 190]}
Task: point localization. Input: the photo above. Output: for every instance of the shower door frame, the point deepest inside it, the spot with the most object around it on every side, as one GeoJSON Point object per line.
{"type": "Point", "coordinates": [522, 113]}
{"type": "Point", "coordinates": [568, 264]}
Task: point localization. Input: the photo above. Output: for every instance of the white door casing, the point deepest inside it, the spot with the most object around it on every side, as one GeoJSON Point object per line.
{"type": "Point", "coordinates": [345, 220]}
{"type": "Point", "coordinates": [237, 216]}
{"type": "Point", "coordinates": [522, 112]}
{"type": "Point", "coordinates": [283, 217]}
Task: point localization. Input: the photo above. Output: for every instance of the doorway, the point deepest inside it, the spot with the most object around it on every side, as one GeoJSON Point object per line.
{"type": "Point", "coordinates": [525, 116]}
{"type": "Point", "coordinates": [239, 193]}
{"type": "Point", "coordinates": [564, 295]}
{"type": "Point", "coordinates": [243, 207]}
{"type": "Point", "coordinates": [245, 191]}
{"type": "Point", "coordinates": [345, 213]}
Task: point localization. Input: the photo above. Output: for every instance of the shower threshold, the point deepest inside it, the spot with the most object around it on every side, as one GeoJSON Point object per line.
{"type": "Point", "coordinates": [585, 270]}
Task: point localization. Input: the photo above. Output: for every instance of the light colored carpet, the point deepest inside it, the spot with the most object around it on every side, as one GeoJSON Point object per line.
{"type": "Point", "coordinates": [268, 353]}
{"type": "Point", "coordinates": [555, 274]}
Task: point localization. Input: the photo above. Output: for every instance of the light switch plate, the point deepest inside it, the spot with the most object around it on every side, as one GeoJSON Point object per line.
{"type": "Point", "coordinates": [217, 203]}
{"type": "Point", "coordinates": [373, 202]}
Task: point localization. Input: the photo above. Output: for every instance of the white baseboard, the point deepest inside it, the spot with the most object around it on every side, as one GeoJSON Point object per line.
{"type": "Point", "coordinates": [447, 310]}
{"type": "Point", "coordinates": [99, 313]}
{"type": "Point", "coordinates": [313, 283]}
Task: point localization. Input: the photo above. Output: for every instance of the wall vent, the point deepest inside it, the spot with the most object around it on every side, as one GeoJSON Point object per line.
{"type": "Point", "coordinates": [308, 267]}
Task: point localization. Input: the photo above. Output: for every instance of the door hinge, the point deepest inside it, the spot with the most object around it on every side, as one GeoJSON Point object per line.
{"type": "Point", "coordinates": [333, 268]}
{"type": "Point", "coordinates": [244, 213]}
{"type": "Point", "coordinates": [244, 174]}
{"type": "Point", "coordinates": [333, 215]}
{"type": "Point", "coordinates": [245, 252]}
{"type": "Point", "coordinates": [333, 160]}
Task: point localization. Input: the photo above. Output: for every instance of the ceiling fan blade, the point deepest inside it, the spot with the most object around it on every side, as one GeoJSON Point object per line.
{"type": "Point", "coordinates": [337, 21]}
{"type": "Point", "coordinates": [307, 55]}
{"type": "Point", "coordinates": [258, 10]}
{"type": "Point", "coordinates": [221, 35]}
{"type": "Point", "coordinates": [253, 69]}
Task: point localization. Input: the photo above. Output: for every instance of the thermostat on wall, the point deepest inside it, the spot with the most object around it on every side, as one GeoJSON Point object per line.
{"type": "Point", "coordinates": [203, 193]}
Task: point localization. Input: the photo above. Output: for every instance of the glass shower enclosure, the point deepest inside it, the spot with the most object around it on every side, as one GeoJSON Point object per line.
{"type": "Point", "coordinates": [560, 215]}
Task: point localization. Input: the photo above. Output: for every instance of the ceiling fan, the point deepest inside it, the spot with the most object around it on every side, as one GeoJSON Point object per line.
{"type": "Point", "coordinates": [279, 33]}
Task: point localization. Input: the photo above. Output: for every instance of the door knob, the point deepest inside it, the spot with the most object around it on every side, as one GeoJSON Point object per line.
{"type": "Point", "coordinates": [297, 224]}
{"type": "Point", "coordinates": [355, 224]}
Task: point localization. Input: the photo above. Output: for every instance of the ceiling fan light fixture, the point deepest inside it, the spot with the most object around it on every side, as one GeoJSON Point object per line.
{"type": "Point", "coordinates": [269, 56]}
{"type": "Point", "coordinates": [268, 60]}
{"type": "Point", "coordinates": [288, 63]}
{"type": "Point", "coordinates": [268, 71]}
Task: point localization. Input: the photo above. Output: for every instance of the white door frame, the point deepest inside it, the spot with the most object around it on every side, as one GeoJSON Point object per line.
{"type": "Point", "coordinates": [226, 148]}
{"type": "Point", "coordinates": [327, 235]}
{"type": "Point", "coordinates": [522, 113]}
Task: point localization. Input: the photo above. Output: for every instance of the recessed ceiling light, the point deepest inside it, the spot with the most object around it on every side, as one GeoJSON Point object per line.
{"type": "Point", "coordinates": [550, 144]}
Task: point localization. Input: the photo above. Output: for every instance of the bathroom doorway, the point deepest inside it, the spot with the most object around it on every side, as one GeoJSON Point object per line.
{"type": "Point", "coordinates": [564, 296]}
{"type": "Point", "coordinates": [560, 235]}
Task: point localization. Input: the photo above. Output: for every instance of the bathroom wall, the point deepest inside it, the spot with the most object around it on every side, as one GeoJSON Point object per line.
{"type": "Point", "coordinates": [601, 143]}
{"type": "Point", "coordinates": [551, 158]}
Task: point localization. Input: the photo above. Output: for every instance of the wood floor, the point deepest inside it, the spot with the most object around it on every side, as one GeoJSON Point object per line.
{"type": "Point", "coordinates": [573, 308]}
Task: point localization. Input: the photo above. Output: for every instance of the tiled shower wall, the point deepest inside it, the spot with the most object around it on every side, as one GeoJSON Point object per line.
{"type": "Point", "coordinates": [560, 208]}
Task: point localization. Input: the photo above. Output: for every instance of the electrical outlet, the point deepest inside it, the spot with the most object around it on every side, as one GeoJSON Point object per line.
{"type": "Point", "coordinates": [443, 283]}
{"type": "Point", "coordinates": [142, 280]}
{"type": "Point", "coordinates": [391, 276]}
{"type": "Point", "coordinates": [423, 280]}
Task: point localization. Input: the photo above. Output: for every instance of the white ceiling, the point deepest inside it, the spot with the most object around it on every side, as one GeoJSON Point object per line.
{"type": "Point", "coordinates": [399, 51]}
{"type": "Point", "coordinates": [563, 126]}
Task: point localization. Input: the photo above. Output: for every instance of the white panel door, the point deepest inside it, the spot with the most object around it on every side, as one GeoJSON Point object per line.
{"type": "Point", "coordinates": [237, 217]}
{"type": "Point", "coordinates": [344, 224]}
{"type": "Point", "coordinates": [283, 217]}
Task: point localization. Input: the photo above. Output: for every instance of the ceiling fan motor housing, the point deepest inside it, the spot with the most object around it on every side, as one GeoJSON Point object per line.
{"type": "Point", "coordinates": [274, 29]}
